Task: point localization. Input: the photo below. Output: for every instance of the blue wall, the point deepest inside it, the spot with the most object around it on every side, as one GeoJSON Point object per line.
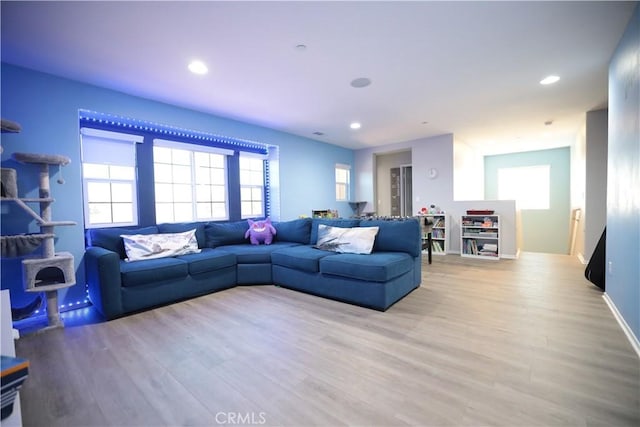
{"type": "Point", "coordinates": [47, 109]}
{"type": "Point", "coordinates": [542, 230]}
{"type": "Point", "coordinates": [623, 177]}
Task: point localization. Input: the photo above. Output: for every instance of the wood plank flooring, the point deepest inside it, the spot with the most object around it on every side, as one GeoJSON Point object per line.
{"type": "Point", "coordinates": [525, 342]}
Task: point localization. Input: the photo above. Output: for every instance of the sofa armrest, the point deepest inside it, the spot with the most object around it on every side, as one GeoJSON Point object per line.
{"type": "Point", "coordinates": [103, 280]}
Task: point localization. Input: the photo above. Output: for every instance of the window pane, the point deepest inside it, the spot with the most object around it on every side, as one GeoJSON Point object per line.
{"type": "Point", "coordinates": [182, 174]}
{"type": "Point", "coordinates": [246, 208]}
{"type": "Point", "coordinates": [217, 176]}
{"type": "Point", "coordinates": [182, 193]}
{"type": "Point", "coordinates": [256, 194]}
{"type": "Point", "coordinates": [218, 193]}
{"type": "Point", "coordinates": [203, 210]}
{"type": "Point", "coordinates": [99, 213]}
{"type": "Point", "coordinates": [161, 155]}
{"type": "Point", "coordinates": [256, 178]}
{"type": "Point", "coordinates": [162, 172]}
{"type": "Point", "coordinates": [203, 175]}
{"type": "Point", "coordinates": [341, 192]}
{"type": "Point", "coordinates": [180, 157]}
{"type": "Point", "coordinates": [122, 212]}
{"type": "Point", "coordinates": [256, 208]}
{"type": "Point", "coordinates": [164, 212]}
{"type": "Point", "coordinates": [121, 192]}
{"type": "Point", "coordinates": [201, 159]}
{"type": "Point", "coordinates": [164, 193]}
{"type": "Point", "coordinates": [98, 192]}
{"type": "Point", "coordinates": [91, 170]}
{"type": "Point", "coordinates": [203, 193]}
{"type": "Point", "coordinates": [218, 210]}
{"type": "Point", "coordinates": [245, 177]}
{"type": "Point", "coordinates": [183, 212]}
{"type": "Point", "coordinates": [217, 160]}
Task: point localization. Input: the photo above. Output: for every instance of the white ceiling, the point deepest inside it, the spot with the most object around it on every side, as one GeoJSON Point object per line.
{"type": "Point", "coordinates": [468, 68]}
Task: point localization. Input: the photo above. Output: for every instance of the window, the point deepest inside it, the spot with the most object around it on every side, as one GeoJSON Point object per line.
{"type": "Point", "coordinates": [528, 186]}
{"type": "Point", "coordinates": [190, 182]}
{"type": "Point", "coordinates": [251, 186]}
{"type": "Point", "coordinates": [343, 173]}
{"type": "Point", "coordinates": [109, 178]}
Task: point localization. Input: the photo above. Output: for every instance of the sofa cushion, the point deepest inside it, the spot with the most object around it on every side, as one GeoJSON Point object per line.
{"type": "Point", "coordinates": [304, 258]}
{"type": "Point", "coordinates": [225, 233]}
{"type": "Point", "coordinates": [254, 254]}
{"type": "Point", "coordinates": [376, 267]}
{"type": "Point", "coordinates": [109, 238]}
{"type": "Point", "coordinates": [296, 231]}
{"type": "Point", "coordinates": [179, 227]}
{"type": "Point", "coordinates": [396, 235]}
{"type": "Point", "coordinates": [345, 223]}
{"type": "Point", "coordinates": [208, 260]}
{"type": "Point", "coordinates": [152, 271]}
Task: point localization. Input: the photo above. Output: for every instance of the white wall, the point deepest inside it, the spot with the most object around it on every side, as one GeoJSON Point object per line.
{"type": "Point", "coordinates": [596, 179]}
{"type": "Point", "coordinates": [437, 152]}
{"type": "Point", "coordinates": [578, 161]}
{"type": "Point", "coordinates": [468, 176]}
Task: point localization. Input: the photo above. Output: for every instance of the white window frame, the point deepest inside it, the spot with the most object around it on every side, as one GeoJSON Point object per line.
{"type": "Point", "coordinates": [194, 148]}
{"type": "Point", "coordinates": [346, 185]}
{"type": "Point", "coordinates": [252, 187]}
{"type": "Point", "coordinates": [87, 159]}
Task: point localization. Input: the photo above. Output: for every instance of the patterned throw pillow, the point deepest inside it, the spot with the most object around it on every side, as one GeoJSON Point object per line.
{"type": "Point", "coordinates": [356, 240]}
{"type": "Point", "coordinates": [149, 246]}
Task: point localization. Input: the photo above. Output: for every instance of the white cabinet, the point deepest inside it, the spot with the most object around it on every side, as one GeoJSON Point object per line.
{"type": "Point", "coordinates": [480, 236]}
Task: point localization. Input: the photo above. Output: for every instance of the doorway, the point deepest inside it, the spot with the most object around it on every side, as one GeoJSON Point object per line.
{"type": "Point", "coordinates": [394, 184]}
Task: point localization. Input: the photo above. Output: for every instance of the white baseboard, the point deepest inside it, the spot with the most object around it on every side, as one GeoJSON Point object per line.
{"type": "Point", "coordinates": [623, 324]}
{"type": "Point", "coordinates": [581, 259]}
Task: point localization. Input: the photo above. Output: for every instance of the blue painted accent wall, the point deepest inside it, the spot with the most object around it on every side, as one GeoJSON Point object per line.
{"type": "Point", "coordinates": [542, 230]}
{"type": "Point", "coordinates": [47, 107]}
{"type": "Point", "coordinates": [623, 177]}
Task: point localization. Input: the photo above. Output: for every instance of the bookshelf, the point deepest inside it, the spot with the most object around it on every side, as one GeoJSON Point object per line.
{"type": "Point", "coordinates": [439, 232]}
{"type": "Point", "coordinates": [480, 236]}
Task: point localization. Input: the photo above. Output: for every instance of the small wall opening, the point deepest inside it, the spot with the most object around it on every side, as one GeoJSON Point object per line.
{"type": "Point", "coordinates": [49, 276]}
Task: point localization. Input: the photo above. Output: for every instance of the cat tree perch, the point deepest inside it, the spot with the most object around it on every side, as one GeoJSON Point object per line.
{"type": "Point", "coordinates": [51, 271]}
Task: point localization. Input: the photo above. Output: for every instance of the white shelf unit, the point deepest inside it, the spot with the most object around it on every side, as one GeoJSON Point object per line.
{"type": "Point", "coordinates": [439, 232]}
{"type": "Point", "coordinates": [480, 236]}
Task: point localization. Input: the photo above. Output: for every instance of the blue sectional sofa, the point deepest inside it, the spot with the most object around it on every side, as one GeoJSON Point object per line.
{"type": "Point", "coordinates": [377, 280]}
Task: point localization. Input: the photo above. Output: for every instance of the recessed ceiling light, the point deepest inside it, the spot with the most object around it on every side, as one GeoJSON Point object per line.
{"type": "Point", "coordinates": [301, 47]}
{"type": "Point", "coordinates": [318, 133]}
{"type": "Point", "coordinates": [549, 80]}
{"type": "Point", "coordinates": [361, 82]}
{"type": "Point", "coordinates": [355, 125]}
{"type": "Point", "coordinates": [198, 67]}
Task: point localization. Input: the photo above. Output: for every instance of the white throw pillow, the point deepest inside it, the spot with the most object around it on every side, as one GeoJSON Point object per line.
{"type": "Point", "coordinates": [356, 240]}
{"type": "Point", "coordinates": [149, 246]}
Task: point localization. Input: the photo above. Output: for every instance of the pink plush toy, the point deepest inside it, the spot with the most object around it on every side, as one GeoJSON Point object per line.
{"type": "Point", "coordinates": [260, 231]}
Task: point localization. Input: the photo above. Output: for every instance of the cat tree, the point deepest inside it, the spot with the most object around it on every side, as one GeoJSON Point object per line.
{"type": "Point", "coordinates": [52, 270]}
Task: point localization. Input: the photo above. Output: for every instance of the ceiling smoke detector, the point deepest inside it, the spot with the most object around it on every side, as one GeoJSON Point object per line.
{"type": "Point", "coordinates": [548, 123]}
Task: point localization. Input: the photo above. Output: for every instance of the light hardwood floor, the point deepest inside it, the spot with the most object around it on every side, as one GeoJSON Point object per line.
{"type": "Point", "coordinates": [525, 342]}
